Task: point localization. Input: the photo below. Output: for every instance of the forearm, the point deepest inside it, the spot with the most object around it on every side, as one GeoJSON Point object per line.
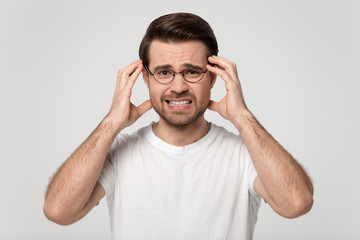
{"type": "Point", "coordinates": [286, 183]}
{"type": "Point", "coordinates": [73, 184]}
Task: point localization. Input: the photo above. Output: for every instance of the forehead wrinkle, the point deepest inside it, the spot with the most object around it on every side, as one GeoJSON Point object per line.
{"type": "Point", "coordinates": [182, 54]}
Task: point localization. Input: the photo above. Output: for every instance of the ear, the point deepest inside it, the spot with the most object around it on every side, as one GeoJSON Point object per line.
{"type": "Point", "coordinates": [213, 79]}
{"type": "Point", "coordinates": [145, 76]}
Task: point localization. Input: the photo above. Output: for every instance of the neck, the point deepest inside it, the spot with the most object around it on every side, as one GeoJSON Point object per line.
{"type": "Point", "coordinates": [181, 135]}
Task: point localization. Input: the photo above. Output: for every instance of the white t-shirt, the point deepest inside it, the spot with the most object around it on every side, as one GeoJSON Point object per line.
{"type": "Point", "coordinates": [200, 191]}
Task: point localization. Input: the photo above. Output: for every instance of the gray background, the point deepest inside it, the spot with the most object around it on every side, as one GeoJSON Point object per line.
{"type": "Point", "coordinates": [299, 66]}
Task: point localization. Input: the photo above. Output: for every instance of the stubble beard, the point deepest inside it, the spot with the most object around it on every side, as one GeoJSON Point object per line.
{"type": "Point", "coordinates": [180, 118]}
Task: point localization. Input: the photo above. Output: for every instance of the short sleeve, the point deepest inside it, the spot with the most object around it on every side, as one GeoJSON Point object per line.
{"type": "Point", "coordinates": [251, 171]}
{"type": "Point", "coordinates": [108, 173]}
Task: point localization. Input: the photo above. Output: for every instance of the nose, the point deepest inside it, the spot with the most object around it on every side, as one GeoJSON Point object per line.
{"type": "Point", "coordinates": [179, 85]}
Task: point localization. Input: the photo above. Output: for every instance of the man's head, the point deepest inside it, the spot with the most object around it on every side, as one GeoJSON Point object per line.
{"type": "Point", "coordinates": [178, 45]}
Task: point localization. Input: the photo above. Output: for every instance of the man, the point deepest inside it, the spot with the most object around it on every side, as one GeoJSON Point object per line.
{"type": "Point", "coordinates": [182, 177]}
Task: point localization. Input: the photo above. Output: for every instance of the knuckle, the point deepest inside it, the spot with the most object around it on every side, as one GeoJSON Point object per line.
{"type": "Point", "coordinates": [122, 76]}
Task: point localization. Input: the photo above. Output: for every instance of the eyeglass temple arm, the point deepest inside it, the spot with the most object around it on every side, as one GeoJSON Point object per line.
{"type": "Point", "coordinates": [148, 70]}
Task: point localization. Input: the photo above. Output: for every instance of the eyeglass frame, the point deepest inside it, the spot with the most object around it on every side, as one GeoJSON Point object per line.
{"type": "Point", "coordinates": [182, 73]}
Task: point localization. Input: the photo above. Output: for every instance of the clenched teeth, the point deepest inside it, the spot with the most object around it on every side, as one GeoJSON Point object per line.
{"type": "Point", "coordinates": [179, 103]}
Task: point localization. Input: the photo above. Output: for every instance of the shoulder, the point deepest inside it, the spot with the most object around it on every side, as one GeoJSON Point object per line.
{"type": "Point", "coordinates": [129, 139]}
{"type": "Point", "coordinates": [125, 143]}
{"type": "Point", "coordinates": [222, 134]}
{"type": "Point", "coordinates": [225, 140]}
{"type": "Point", "coordinates": [230, 145]}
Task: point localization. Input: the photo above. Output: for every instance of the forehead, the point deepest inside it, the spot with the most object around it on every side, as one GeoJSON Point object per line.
{"type": "Point", "coordinates": [177, 54]}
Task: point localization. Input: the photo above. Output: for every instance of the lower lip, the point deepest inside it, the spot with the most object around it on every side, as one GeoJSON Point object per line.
{"type": "Point", "coordinates": [179, 108]}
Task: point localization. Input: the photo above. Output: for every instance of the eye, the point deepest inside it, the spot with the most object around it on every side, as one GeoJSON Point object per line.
{"type": "Point", "coordinates": [192, 72]}
{"type": "Point", "coordinates": [163, 73]}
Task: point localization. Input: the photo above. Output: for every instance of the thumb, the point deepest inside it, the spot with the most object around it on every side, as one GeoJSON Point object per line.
{"type": "Point", "coordinates": [213, 105]}
{"type": "Point", "coordinates": [144, 107]}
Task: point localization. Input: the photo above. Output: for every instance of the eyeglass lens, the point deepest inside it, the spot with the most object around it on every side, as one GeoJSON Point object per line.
{"type": "Point", "coordinates": [189, 75]}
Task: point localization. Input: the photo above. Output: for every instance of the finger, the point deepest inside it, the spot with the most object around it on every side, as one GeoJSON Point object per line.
{"type": "Point", "coordinates": [213, 105]}
{"type": "Point", "coordinates": [220, 60]}
{"type": "Point", "coordinates": [220, 72]}
{"type": "Point", "coordinates": [132, 78]}
{"type": "Point", "coordinates": [144, 107]}
{"type": "Point", "coordinates": [225, 64]}
{"type": "Point", "coordinates": [230, 81]}
{"type": "Point", "coordinates": [126, 71]}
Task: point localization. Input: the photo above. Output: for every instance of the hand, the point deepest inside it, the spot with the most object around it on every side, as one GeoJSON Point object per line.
{"type": "Point", "coordinates": [122, 111]}
{"type": "Point", "coordinates": [233, 104]}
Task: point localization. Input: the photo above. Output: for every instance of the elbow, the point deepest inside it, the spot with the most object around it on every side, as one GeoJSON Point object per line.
{"type": "Point", "coordinates": [57, 215]}
{"type": "Point", "coordinates": [300, 206]}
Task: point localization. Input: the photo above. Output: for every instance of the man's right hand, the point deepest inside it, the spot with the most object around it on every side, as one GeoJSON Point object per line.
{"type": "Point", "coordinates": [123, 113]}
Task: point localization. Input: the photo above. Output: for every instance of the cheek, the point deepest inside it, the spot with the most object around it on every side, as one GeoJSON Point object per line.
{"type": "Point", "coordinates": [155, 94]}
{"type": "Point", "coordinates": [152, 96]}
{"type": "Point", "coordinates": [206, 91]}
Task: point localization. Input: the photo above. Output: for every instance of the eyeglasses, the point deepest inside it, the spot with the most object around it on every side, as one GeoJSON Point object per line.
{"type": "Point", "coordinates": [165, 76]}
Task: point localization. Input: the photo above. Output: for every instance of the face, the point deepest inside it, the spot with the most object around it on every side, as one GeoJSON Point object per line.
{"type": "Point", "coordinates": [179, 102]}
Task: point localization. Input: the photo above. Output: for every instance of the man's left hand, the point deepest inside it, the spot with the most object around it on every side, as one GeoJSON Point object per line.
{"type": "Point", "coordinates": [232, 106]}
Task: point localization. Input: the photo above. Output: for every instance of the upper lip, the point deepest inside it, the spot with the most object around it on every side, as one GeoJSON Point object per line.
{"type": "Point", "coordinates": [179, 99]}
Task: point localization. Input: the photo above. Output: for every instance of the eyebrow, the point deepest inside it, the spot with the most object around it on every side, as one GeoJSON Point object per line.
{"type": "Point", "coordinates": [168, 66]}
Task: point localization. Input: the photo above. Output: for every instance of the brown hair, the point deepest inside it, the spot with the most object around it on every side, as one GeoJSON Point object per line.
{"type": "Point", "coordinates": [178, 27]}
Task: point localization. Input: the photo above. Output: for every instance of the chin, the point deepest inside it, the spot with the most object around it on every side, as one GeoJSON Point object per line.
{"type": "Point", "coordinates": [180, 119]}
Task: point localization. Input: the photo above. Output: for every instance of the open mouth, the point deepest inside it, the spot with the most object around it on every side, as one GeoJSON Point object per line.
{"type": "Point", "coordinates": [178, 103]}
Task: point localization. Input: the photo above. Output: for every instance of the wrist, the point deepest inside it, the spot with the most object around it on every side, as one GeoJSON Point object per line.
{"type": "Point", "coordinates": [111, 125]}
{"type": "Point", "coordinates": [243, 120]}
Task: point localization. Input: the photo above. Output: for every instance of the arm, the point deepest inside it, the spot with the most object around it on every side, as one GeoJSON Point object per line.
{"type": "Point", "coordinates": [74, 189]}
{"type": "Point", "coordinates": [281, 181]}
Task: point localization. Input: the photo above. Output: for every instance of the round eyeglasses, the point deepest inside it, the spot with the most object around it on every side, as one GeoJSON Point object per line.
{"type": "Point", "coordinates": [164, 76]}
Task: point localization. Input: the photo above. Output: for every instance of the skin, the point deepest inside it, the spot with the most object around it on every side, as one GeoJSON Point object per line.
{"type": "Point", "coordinates": [281, 181]}
{"type": "Point", "coordinates": [179, 126]}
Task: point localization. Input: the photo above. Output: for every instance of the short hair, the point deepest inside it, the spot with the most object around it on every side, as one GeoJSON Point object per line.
{"type": "Point", "coordinates": [178, 27]}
